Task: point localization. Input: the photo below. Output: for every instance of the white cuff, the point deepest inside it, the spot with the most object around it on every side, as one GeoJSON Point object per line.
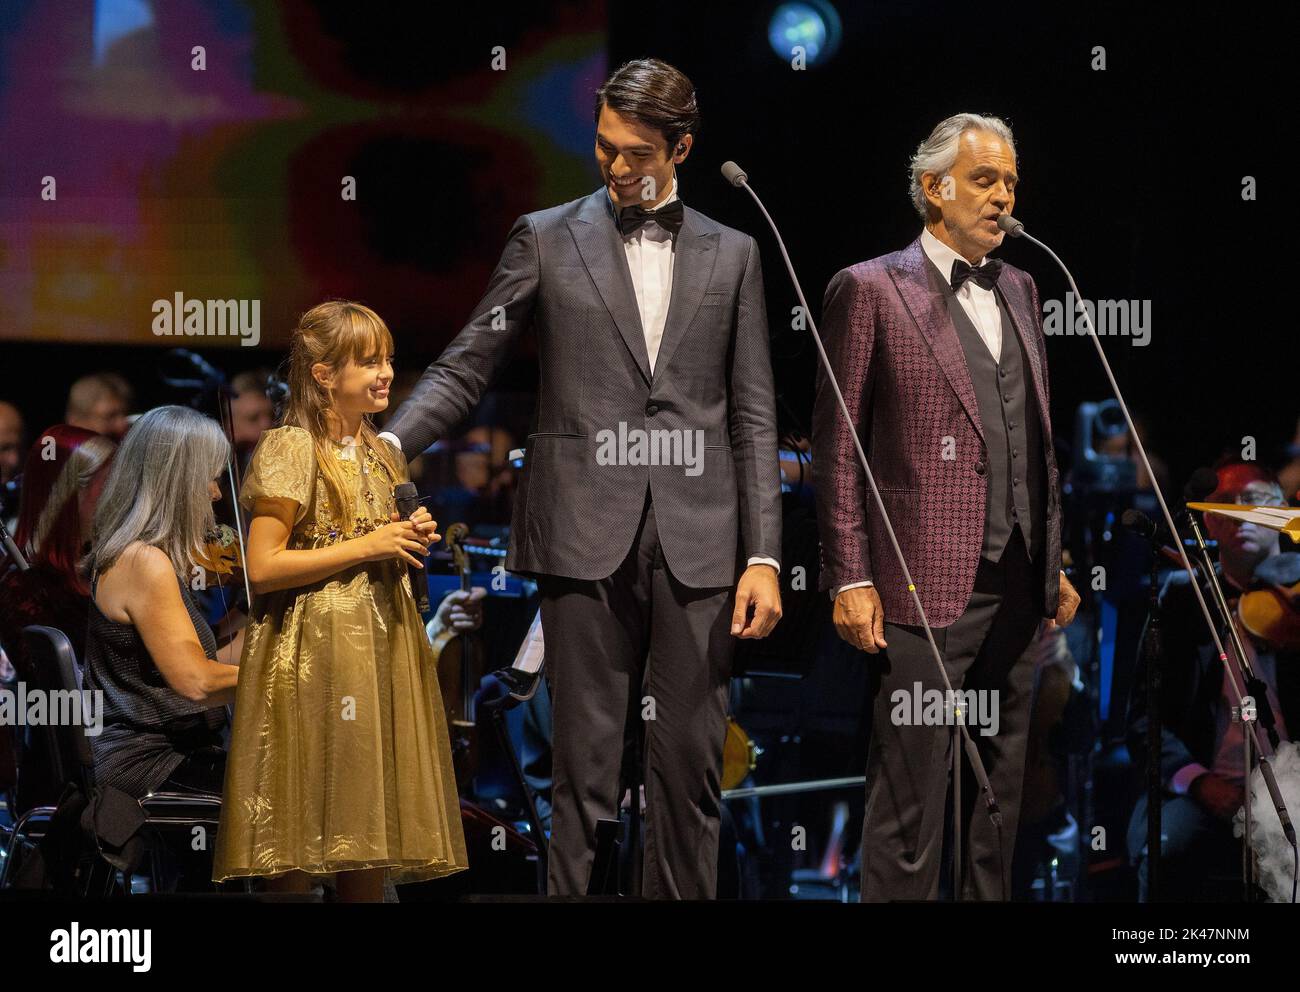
{"type": "Point", "coordinates": [850, 585]}
{"type": "Point", "coordinates": [762, 560]}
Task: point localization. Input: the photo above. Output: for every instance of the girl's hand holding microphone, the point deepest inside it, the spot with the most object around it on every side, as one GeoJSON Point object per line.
{"type": "Point", "coordinates": [403, 538]}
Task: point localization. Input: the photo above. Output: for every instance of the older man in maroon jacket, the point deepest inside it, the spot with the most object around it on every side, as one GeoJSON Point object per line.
{"type": "Point", "coordinates": [940, 354]}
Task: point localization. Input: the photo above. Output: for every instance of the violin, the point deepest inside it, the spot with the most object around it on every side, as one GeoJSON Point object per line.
{"type": "Point", "coordinates": [222, 555]}
{"type": "Point", "coordinates": [222, 559]}
{"type": "Point", "coordinates": [1268, 613]}
{"type": "Point", "coordinates": [1272, 613]}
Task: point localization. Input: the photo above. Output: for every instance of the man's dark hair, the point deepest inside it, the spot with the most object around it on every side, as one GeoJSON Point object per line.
{"type": "Point", "coordinates": [653, 94]}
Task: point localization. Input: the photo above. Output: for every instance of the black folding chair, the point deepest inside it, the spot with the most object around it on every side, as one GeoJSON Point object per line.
{"type": "Point", "coordinates": [50, 650]}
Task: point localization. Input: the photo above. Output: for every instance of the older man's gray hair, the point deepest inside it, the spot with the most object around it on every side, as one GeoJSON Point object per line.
{"type": "Point", "coordinates": [938, 152]}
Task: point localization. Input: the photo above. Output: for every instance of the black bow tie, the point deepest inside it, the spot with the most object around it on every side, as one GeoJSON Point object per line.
{"type": "Point", "coordinates": [668, 217]}
{"type": "Point", "coordinates": [985, 275]}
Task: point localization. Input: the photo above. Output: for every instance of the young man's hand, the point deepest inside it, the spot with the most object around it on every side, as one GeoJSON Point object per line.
{"type": "Point", "coordinates": [759, 591]}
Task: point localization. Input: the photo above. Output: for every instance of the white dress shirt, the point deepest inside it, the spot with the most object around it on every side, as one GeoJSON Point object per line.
{"type": "Point", "coordinates": [980, 304]}
{"type": "Point", "coordinates": [650, 254]}
{"type": "Point", "coordinates": [650, 261]}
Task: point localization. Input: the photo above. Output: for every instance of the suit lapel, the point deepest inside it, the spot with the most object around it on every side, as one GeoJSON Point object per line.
{"type": "Point", "coordinates": [602, 251]}
{"type": "Point", "coordinates": [695, 255]}
{"type": "Point", "coordinates": [929, 311]}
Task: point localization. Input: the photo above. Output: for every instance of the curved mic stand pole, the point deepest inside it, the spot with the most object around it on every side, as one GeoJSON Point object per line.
{"type": "Point", "coordinates": [1016, 229]}
{"type": "Point", "coordinates": [736, 177]}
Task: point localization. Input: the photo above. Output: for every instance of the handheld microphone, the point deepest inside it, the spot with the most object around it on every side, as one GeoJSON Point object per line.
{"type": "Point", "coordinates": [408, 501]}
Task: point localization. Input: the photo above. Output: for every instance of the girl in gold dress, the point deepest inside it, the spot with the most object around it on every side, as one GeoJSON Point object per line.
{"type": "Point", "coordinates": [340, 760]}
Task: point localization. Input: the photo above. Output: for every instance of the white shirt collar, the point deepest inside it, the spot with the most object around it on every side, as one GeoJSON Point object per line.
{"type": "Point", "coordinates": [940, 254]}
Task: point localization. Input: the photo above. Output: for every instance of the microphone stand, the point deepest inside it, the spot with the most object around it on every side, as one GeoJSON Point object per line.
{"type": "Point", "coordinates": [734, 175]}
{"type": "Point", "coordinates": [1016, 229]}
{"type": "Point", "coordinates": [233, 473]}
{"type": "Point", "coordinates": [11, 547]}
{"type": "Point", "coordinates": [214, 381]}
{"type": "Point", "coordinates": [1255, 690]}
{"type": "Point", "coordinates": [1249, 678]}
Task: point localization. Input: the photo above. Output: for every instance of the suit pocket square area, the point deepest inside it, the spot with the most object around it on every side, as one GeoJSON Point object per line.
{"type": "Point", "coordinates": [715, 300]}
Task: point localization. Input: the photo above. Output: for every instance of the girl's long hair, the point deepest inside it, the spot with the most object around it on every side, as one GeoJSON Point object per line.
{"type": "Point", "coordinates": [157, 491]}
{"type": "Point", "coordinates": [64, 462]}
{"type": "Point", "coordinates": [331, 333]}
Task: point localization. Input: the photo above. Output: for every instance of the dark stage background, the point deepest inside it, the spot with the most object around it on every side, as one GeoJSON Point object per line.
{"type": "Point", "coordinates": [225, 183]}
{"type": "Point", "coordinates": [1133, 175]}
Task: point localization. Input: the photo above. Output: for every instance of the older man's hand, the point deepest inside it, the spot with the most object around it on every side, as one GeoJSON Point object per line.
{"type": "Point", "coordinates": [860, 618]}
{"type": "Point", "coordinates": [1066, 607]}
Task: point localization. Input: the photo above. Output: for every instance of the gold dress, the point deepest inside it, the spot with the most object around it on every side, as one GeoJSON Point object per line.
{"type": "Point", "coordinates": [339, 756]}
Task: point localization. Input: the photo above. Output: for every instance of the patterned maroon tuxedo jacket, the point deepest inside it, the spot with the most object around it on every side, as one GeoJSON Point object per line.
{"type": "Point", "coordinates": [903, 373]}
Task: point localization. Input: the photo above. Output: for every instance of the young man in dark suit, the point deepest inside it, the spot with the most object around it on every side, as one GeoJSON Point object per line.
{"type": "Point", "coordinates": [649, 504]}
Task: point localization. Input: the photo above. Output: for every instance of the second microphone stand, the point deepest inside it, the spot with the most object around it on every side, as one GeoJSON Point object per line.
{"type": "Point", "coordinates": [1016, 229]}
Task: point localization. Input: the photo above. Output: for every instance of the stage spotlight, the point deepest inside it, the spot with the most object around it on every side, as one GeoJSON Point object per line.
{"type": "Point", "coordinates": [812, 25]}
{"type": "Point", "coordinates": [115, 19]}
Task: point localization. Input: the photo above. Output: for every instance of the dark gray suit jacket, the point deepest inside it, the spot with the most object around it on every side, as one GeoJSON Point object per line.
{"type": "Point", "coordinates": [565, 271]}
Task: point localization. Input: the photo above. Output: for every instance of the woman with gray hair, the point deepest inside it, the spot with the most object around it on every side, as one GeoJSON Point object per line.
{"type": "Point", "coordinates": [148, 647]}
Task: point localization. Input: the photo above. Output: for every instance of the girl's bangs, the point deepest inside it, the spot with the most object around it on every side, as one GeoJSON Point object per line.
{"type": "Point", "coordinates": [368, 335]}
